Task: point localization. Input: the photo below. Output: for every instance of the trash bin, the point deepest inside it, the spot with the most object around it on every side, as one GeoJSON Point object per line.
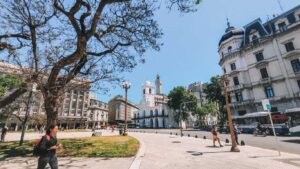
{"type": "Point", "coordinates": [121, 131]}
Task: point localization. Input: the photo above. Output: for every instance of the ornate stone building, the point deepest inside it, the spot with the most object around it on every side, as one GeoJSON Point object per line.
{"type": "Point", "coordinates": [153, 110]}
{"type": "Point", "coordinates": [262, 61]}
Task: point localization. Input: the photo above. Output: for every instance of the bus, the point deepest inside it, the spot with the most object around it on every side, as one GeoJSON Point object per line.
{"type": "Point", "coordinates": [294, 120]}
{"type": "Point", "coordinates": [248, 122]}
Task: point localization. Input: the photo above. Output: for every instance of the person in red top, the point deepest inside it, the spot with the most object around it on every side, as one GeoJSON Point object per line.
{"type": "Point", "coordinates": [215, 136]}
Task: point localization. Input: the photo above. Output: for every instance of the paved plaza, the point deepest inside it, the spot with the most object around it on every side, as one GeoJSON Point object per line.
{"type": "Point", "coordinates": [163, 151]}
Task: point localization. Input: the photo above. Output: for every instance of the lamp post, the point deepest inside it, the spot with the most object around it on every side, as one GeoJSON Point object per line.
{"type": "Point", "coordinates": [102, 119]}
{"type": "Point", "coordinates": [32, 89]}
{"type": "Point", "coordinates": [126, 86]}
{"type": "Point", "coordinates": [224, 81]}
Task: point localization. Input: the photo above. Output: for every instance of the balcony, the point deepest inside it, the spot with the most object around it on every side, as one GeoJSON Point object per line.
{"type": "Point", "coordinates": [228, 54]}
{"type": "Point", "coordinates": [239, 87]}
{"type": "Point", "coordinates": [268, 80]}
{"type": "Point", "coordinates": [242, 103]}
{"type": "Point", "coordinates": [291, 53]}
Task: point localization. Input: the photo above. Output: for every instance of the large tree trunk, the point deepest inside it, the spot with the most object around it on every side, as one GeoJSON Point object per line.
{"type": "Point", "coordinates": [52, 106]}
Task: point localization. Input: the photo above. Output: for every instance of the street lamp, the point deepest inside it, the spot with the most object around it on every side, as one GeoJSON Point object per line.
{"type": "Point", "coordinates": [102, 119]}
{"type": "Point", "coordinates": [32, 88]}
{"type": "Point", "coordinates": [224, 81]}
{"type": "Point", "coordinates": [126, 86]}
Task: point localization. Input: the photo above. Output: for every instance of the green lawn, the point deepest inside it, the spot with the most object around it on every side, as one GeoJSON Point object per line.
{"type": "Point", "coordinates": [106, 146]}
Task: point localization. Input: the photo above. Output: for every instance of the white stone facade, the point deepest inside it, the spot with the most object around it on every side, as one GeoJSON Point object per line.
{"type": "Point", "coordinates": [262, 61]}
{"type": "Point", "coordinates": [153, 110]}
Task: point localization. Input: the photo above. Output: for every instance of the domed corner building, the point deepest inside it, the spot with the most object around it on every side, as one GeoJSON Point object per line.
{"type": "Point", "coordinates": [263, 62]}
{"type": "Point", "coordinates": [153, 109]}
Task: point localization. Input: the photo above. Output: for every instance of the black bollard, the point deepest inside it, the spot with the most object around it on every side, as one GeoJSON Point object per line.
{"type": "Point", "coordinates": [170, 133]}
{"type": "Point", "coordinates": [196, 136]}
{"type": "Point", "coordinates": [182, 134]}
{"type": "Point", "coordinates": [242, 143]}
{"type": "Point", "coordinates": [227, 141]}
{"type": "Point", "coordinates": [204, 137]}
{"type": "Point", "coordinates": [176, 134]}
{"type": "Point", "coordinates": [188, 135]}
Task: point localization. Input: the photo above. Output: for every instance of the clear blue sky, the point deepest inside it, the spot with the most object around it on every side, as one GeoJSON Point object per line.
{"type": "Point", "coordinates": [191, 41]}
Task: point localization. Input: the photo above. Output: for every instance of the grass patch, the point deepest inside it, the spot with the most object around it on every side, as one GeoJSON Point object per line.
{"type": "Point", "coordinates": [105, 146]}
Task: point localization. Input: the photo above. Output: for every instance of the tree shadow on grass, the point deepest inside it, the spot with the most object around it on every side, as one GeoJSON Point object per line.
{"type": "Point", "coordinates": [12, 149]}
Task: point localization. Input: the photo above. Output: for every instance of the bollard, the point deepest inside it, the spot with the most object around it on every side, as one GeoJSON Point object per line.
{"type": "Point", "coordinates": [188, 135]}
{"type": "Point", "coordinates": [196, 136]}
{"type": "Point", "coordinates": [227, 141]}
{"type": "Point", "coordinates": [182, 134]}
{"type": "Point", "coordinates": [176, 134]}
{"type": "Point", "coordinates": [204, 137]}
{"type": "Point", "coordinates": [242, 143]}
{"type": "Point", "coordinates": [171, 133]}
{"type": "Point", "coordinates": [156, 132]}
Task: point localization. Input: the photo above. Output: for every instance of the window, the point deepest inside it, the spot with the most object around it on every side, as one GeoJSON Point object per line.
{"type": "Point", "coordinates": [264, 73]}
{"type": "Point", "coordinates": [295, 65]}
{"type": "Point", "coordinates": [236, 81]}
{"type": "Point", "coordinates": [269, 91]}
{"type": "Point", "coordinates": [298, 82]}
{"type": "Point", "coordinates": [233, 67]}
{"type": "Point", "coordinates": [282, 27]}
{"type": "Point", "coordinates": [224, 70]}
{"type": "Point", "coordinates": [144, 91]}
{"type": "Point", "coordinates": [149, 91]}
{"type": "Point", "coordinates": [238, 96]}
{"type": "Point", "coordinates": [255, 39]}
{"type": "Point", "coordinates": [229, 49]}
{"type": "Point", "coordinates": [259, 56]}
{"type": "Point", "coordinates": [289, 46]}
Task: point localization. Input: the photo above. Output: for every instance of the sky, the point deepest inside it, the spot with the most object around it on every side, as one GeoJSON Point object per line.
{"type": "Point", "coordinates": [189, 53]}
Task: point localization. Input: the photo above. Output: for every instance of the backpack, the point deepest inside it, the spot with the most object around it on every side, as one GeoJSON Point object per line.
{"type": "Point", "coordinates": [37, 145]}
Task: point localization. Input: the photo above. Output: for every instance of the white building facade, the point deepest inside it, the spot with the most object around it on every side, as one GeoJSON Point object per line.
{"type": "Point", "coordinates": [262, 61]}
{"type": "Point", "coordinates": [153, 110]}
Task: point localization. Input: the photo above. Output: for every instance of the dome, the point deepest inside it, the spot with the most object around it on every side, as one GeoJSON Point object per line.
{"type": "Point", "coordinates": [230, 32]}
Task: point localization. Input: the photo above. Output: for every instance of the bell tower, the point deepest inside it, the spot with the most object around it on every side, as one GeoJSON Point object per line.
{"type": "Point", "coordinates": [158, 85]}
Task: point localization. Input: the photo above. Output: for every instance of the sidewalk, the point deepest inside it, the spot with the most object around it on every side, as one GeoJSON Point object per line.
{"type": "Point", "coordinates": [163, 151]}
{"type": "Point", "coordinates": [29, 136]}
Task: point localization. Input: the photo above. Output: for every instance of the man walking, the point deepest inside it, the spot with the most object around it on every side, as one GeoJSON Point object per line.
{"type": "Point", "coordinates": [236, 132]}
{"type": "Point", "coordinates": [3, 133]}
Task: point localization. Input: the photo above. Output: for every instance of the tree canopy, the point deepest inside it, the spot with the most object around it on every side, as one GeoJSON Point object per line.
{"type": "Point", "coordinates": [182, 103]}
{"type": "Point", "coordinates": [63, 44]}
{"type": "Point", "coordinates": [214, 94]}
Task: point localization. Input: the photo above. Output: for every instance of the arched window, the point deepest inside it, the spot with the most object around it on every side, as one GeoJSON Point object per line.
{"type": "Point", "coordinates": [156, 112]}
{"type": "Point", "coordinates": [255, 40]}
{"type": "Point", "coordinates": [229, 49]}
{"type": "Point", "coordinates": [151, 113]}
{"type": "Point", "coordinates": [149, 91]}
{"type": "Point", "coordinates": [144, 91]}
{"type": "Point", "coordinates": [144, 114]}
{"type": "Point", "coordinates": [163, 112]}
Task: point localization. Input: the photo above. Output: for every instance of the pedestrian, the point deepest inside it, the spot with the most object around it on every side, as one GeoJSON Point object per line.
{"type": "Point", "coordinates": [215, 136]}
{"type": "Point", "coordinates": [48, 146]}
{"type": "Point", "coordinates": [3, 133]}
{"type": "Point", "coordinates": [236, 132]}
{"type": "Point", "coordinates": [42, 129]}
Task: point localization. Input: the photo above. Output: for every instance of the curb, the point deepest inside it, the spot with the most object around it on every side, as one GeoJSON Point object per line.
{"type": "Point", "coordinates": [138, 158]}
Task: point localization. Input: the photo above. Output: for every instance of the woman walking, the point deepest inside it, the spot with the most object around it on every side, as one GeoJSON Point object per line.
{"type": "Point", "coordinates": [48, 147]}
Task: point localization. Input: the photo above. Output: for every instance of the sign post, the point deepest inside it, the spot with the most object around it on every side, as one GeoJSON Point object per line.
{"type": "Point", "coordinates": [267, 106]}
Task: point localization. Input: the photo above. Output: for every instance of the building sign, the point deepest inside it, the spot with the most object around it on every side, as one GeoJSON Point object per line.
{"type": "Point", "coordinates": [266, 104]}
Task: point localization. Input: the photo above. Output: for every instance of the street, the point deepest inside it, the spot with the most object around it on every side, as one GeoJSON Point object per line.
{"type": "Point", "coordinates": [286, 143]}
